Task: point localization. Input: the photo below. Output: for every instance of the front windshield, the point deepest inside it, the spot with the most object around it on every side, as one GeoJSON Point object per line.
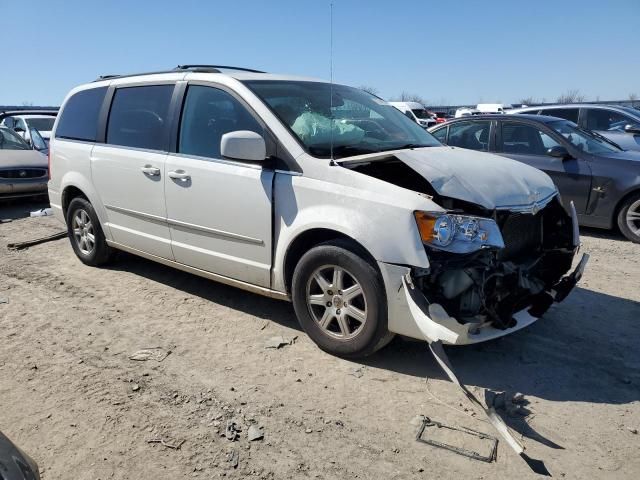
{"type": "Point", "coordinates": [582, 139]}
{"type": "Point", "coordinates": [351, 121]}
{"type": "Point", "coordinates": [421, 113]}
{"type": "Point", "coordinates": [42, 124]}
{"type": "Point", "coordinates": [12, 141]}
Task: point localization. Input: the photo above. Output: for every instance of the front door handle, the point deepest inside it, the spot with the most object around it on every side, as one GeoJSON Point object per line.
{"type": "Point", "coordinates": [150, 170]}
{"type": "Point", "coordinates": [179, 175]}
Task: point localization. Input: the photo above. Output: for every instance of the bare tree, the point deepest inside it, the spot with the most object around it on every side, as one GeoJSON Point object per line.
{"type": "Point", "coordinates": [411, 97]}
{"type": "Point", "coordinates": [633, 98]}
{"type": "Point", "coordinates": [571, 96]}
{"type": "Point", "coordinates": [27, 104]}
{"type": "Point", "coordinates": [370, 89]}
{"type": "Point", "coordinates": [529, 101]}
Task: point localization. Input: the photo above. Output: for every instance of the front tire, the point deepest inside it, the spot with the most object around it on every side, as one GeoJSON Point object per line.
{"type": "Point", "coordinates": [629, 218]}
{"type": "Point", "coordinates": [340, 301]}
{"type": "Point", "coordinates": [85, 233]}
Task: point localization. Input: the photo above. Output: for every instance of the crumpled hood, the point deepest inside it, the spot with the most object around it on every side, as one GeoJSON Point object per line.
{"type": "Point", "coordinates": [477, 177]}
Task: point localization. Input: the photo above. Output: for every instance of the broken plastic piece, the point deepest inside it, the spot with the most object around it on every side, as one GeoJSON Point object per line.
{"type": "Point", "coordinates": [427, 422]}
{"type": "Point", "coordinates": [537, 466]}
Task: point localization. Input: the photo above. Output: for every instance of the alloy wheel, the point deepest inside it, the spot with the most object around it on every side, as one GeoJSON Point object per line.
{"type": "Point", "coordinates": [83, 233]}
{"type": "Point", "coordinates": [337, 302]}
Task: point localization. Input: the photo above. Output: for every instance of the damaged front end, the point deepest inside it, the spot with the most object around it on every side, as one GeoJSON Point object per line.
{"type": "Point", "coordinates": [493, 283]}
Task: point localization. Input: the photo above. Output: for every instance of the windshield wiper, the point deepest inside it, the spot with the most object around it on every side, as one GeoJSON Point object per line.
{"type": "Point", "coordinates": [408, 145]}
{"type": "Point", "coordinates": [605, 139]}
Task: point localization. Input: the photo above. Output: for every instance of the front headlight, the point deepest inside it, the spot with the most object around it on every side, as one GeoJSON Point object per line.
{"type": "Point", "coordinates": [458, 233]}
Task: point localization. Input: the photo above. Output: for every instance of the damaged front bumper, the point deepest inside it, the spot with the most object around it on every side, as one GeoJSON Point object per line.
{"type": "Point", "coordinates": [435, 324]}
{"type": "Point", "coordinates": [420, 307]}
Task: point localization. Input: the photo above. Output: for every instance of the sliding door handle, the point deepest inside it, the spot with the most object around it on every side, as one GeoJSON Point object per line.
{"type": "Point", "coordinates": [179, 175]}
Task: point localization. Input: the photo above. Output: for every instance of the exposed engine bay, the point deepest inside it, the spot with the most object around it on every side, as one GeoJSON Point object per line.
{"type": "Point", "coordinates": [487, 286]}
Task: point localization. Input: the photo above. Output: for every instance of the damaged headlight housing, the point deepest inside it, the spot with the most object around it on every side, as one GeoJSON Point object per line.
{"type": "Point", "coordinates": [458, 233]}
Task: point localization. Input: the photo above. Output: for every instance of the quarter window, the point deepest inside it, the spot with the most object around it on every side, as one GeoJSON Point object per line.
{"type": "Point", "coordinates": [471, 135]}
{"type": "Point", "coordinates": [603, 119]}
{"type": "Point", "coordinates": [79, 117]}
{"type": "Point", "coordinates": [207, 115]}
{"type": "Point", "coordinates": [518, 138]}
{"type": "Point", "coordinates": [138, 117]}
{"type": "Point", "coordinates": [441, 134]}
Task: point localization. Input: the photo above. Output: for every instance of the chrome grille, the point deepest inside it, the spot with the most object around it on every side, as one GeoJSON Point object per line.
{"type": "Point", "coordinates": [22, 173]}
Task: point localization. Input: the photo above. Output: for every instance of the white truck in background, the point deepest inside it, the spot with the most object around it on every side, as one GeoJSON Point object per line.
{"type": "Point", "coordinates": [416, 112]}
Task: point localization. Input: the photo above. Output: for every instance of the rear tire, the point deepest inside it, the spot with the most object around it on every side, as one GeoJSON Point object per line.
{"type": "Point", "coordinates": [340, 301]}
{"type": "Point", "coordinates": [85, 233]}
{"type": "Point", "coordinates": [629, 218]}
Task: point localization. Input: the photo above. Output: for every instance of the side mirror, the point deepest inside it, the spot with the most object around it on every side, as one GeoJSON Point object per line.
{"type": "Point", "coordinates": [559, 152]}
{"type": "Point", "coordinates": [632, 128]}
{"type": "Point", "coordinates": [243, 145]}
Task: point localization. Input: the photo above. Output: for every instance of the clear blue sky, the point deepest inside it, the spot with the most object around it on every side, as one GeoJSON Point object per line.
{"type": "Point", "coordinates": [459, 51]}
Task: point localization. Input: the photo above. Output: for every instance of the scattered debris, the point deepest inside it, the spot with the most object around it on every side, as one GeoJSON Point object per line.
{"type": "Point", "coordinates": [255, 432]}
{"type": "Point", "coordinates": [308, 430]}
{"type": "Point", "coordinates": [357, 372]}
{"type": "Point", "coordinates": [173, 444]}
{"type": "Point", "coordinates": [135, 387]}
{"type": "Point", "coordinates": [427, 423]}
{"type": "Point", "coordinates": [232, 431]}
{"type": "Point", "coordinates": [37, 241]}
{"type": "Point", "coordinates": [233, 457]}
{"type": "Point", "coordinates": [633, 430]}
{"type": "Point", "coordinates": [155, 353]}
{"type": "Point", "coordinates": [441, 357]}
{"type": "Point", "coordinates": [518, 398]}
{"type": "Point", "coordinates": [279, 341]}
{"type": "Point", "coordinates": [4, 300]}
{"type": "Point", "coordinates": [43, 212]}
{"type": "Point", "coordinates": [264, 325]}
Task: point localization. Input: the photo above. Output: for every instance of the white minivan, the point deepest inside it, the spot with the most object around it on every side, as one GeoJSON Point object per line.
{"type": "Point", "coordinates": [320, 194]}
{"type": "Point", "coordinates": [416, 112]}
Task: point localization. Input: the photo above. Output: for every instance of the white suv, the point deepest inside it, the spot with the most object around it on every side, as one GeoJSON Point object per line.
{"type": "Point", "coordinates": [316, 193]}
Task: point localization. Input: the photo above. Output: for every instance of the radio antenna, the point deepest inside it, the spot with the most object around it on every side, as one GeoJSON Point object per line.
{"type": "Point", "coordinates": [331, 75]}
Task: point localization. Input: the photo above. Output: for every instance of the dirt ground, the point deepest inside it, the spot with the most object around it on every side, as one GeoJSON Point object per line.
{"type": "Point", "coordinates": [73, 399]}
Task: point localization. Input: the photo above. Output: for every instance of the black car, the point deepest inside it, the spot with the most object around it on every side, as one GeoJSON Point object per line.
{"type": "Point", "coordinates": [14, 463]}
{"type": "Point", "coordinates": [602, 180]}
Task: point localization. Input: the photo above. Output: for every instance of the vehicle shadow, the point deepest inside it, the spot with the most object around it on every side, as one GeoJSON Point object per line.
{"type": "Point", "coordinates": [584, 349]}
{"type": "Point", "coordinates": [16, 209]}
{"type": "Point", "coordinates": [613, 234]}
{"type": "Point", "coordinates": [231, 297]}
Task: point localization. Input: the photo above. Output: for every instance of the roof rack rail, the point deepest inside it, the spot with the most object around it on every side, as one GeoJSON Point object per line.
{"type": "Point", "coordinates": [217, 68]}
{"type": "Point", "coordinates": [183, 68]}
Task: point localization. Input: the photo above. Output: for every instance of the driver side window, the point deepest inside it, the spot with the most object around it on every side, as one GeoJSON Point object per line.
{"type": "Point", "coordinates": [522, 139]}
{"type": "Point", "coordinates": [208, 114]}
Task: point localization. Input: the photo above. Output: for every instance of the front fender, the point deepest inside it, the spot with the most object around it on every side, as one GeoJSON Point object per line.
{"type": "Point", "coordinates": [383, 223]}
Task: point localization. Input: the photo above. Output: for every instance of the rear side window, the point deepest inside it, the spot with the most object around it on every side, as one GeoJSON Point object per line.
{"type": "Point", "coordinates": [138, 117]}
{"type": "Point", "coordinates": [79, 117]}
{"type": "Point", "coordinates": [207, 115]}
{"type": "Point", "coordinates": [570, 114]}
{"type": "Point", "coordinates": [472, 135]}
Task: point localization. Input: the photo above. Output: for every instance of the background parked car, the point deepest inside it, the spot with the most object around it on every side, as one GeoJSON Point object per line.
{"type": "Point", "coordinates": [602, 180]}
{"type": "Point", "coordinates": [416, 112]}
{"type": "Point", "coordinates": [22, 121]}
{"type": "Point", "coordinates": [619, 124]}
{"type": "Point", "coordinates": [24, 168]}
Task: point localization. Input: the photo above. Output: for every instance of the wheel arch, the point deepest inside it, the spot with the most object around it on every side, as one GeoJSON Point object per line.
{"type": "Point", "coordinates": [313, 237]}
